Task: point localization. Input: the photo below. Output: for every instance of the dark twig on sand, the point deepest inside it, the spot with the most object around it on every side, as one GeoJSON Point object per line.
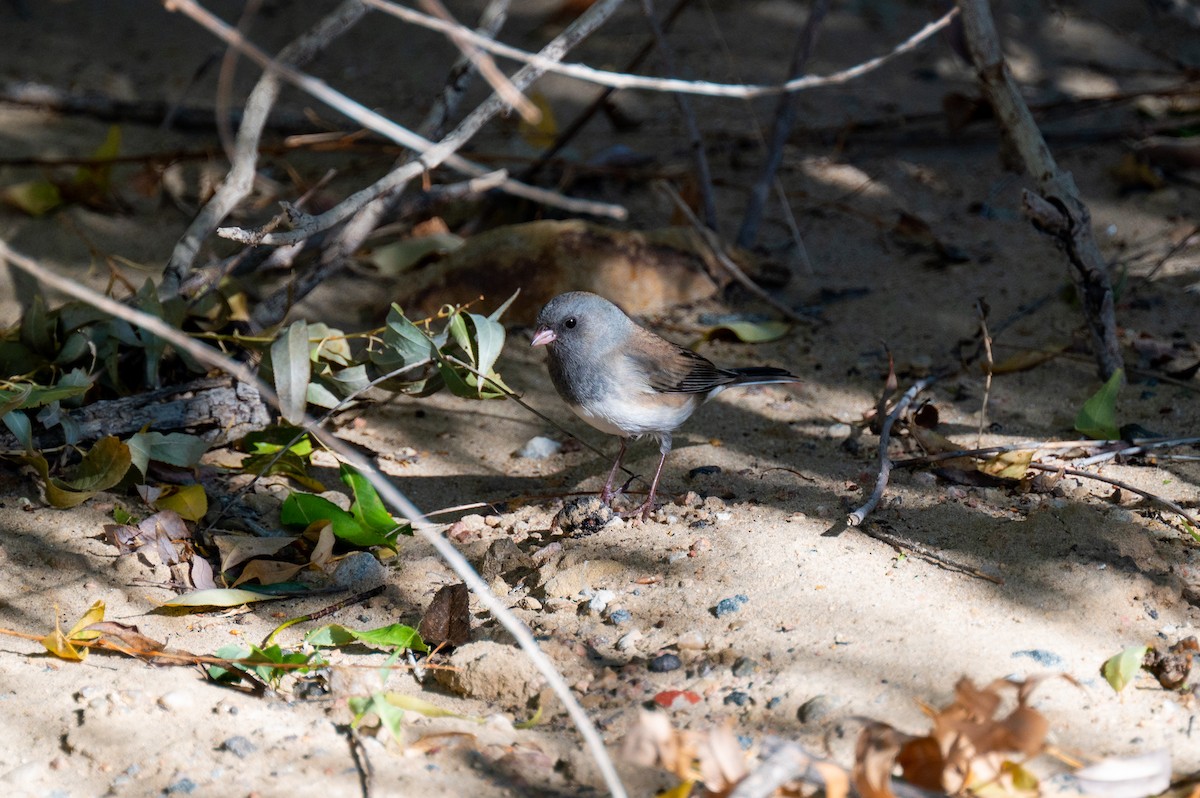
{"type": "Point", "coordinates": [1116, 483]}
{"type": "Point", "coordinates": [1057, 209]}
{"type": "Point", "coordinates": [885, 462]}
{"type": "Point", "coordinates": [781, 128]}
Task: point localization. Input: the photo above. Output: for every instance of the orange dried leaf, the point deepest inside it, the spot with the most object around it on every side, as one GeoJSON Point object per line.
{"type": "Point", "coordinates": [874, 756]}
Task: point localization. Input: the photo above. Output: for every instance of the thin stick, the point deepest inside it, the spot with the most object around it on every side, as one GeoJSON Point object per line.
{"type": "Point", "coordinates": [704, 88]}
{"type": "Point", "coordinates": [491, 20]}
{"type": "Point", "coordinates": [781, 129]}
{"type": "Point", "coordinates": [244, 157]}
{"type": "Point", "coordinates": [485, 65]}
{"type": "Point", "coordinates": [579, 122]}
{"type": "Point", "coordinates": [718, 251]}
{"type": "Point", "coordinates": [695, 139]}
{"type": "Point", "coordinates": [362, 762]}
{"type": "Point", "coordinates": [358, 598]}
{"type": "Point", "coordinates": [1116, 483]}
{"type": "Point", "coordinates": [925, 553]}
{"type": "Point", "coordinates": [432, 155]}
{"type": "Point", "coordinates": [1058, 209]}
{"type": "Point", "coordinates": [981, 309]}
{"type": "Point", "coordinates": [393, 497]}
{"type": "Point", "coordinates": [885, 463]}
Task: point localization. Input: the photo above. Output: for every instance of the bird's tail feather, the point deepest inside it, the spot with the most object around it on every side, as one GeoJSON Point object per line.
{"type": "Point", "coordinates": [757, 375]}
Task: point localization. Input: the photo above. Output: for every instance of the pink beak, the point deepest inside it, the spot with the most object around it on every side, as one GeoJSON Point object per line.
{"type": "Point", "coordinates": [543, 336]}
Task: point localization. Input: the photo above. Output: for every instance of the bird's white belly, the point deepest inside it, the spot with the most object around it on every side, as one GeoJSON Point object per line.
{"type": "Point", "coordinates": [630, 419]}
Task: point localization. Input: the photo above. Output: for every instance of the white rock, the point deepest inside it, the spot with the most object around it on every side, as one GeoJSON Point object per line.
{"type": "Point", "coordinates": [539, 448]}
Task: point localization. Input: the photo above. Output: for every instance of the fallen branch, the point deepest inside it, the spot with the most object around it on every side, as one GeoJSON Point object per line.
{"type": "Point", "coordinates": [219, 410]}
{"type": "Point", "coordinates": [1058, 209]}
{"type": "Point", "coordinates": [885, 462]}
{"type": "Point", "coordinates": [1116, 483]}
{"type": "Point", "coordinates": [618, 80]}
{"type": "Point", "coordinates": [240, 180]}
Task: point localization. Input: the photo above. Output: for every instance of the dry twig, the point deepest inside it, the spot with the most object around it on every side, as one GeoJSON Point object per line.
{"type": "Point", "coordinates": [885, 462]}
{"type": "Point", "coordinates": [1057, 210]}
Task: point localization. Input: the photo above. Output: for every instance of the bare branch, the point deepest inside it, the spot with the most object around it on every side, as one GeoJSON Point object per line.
{"type": "Point", "coordinates": [706, 88]}
{"type": "Point", "coordinates": [1059, 211]}
{"type": "Point", "coordinates": [240, 180]}
{"type": "Point", "coordinates": [885, 462]}
{"type": "Point", "coordinates": [432, 155]}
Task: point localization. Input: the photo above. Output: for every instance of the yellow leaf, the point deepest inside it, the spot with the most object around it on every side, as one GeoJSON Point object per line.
{"type": "Point", "coordinates": [95, 614]}
{"type": "Point", "coordinates": [681, 790]}
{"type": "Point", "coordinates": [1024, 361]}
{"type": "Point", "coordinates": [190, 502]}
{"type": "Point", "coordinates": [34, 197]}
{"type": "Point", "coordinates": [1009, 465]}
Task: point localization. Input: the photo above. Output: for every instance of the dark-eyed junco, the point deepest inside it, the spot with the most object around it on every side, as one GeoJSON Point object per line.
{"type": "Point", "coordinates": [627, 381]}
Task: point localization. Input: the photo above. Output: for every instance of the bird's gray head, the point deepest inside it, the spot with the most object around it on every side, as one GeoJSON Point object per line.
{"type": "Point", "coordinates": [579, 322]}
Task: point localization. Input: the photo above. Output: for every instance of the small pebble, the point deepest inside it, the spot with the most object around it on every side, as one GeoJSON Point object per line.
{"type": "Point", "coordinates": [745, 741]}
{"type": "Point", "coordinates": [704, 471]}
{"type": "Point", "coordinates": [176, 700]}
{"type": "Point", "coordinates": [539, 448]}
{"type": "Point", "coordinates": [618, 617]}
{"type": "Point", "coordinates": [599, 600]}
{"type": "Point", "coordinates": [774, 702]}
{"type": "Point", "coordinates": [838, 431]}
{"type": "Point", "coordinates": [816, 708]}
{"type": "Point", "coordinates": [728, 606]}
{"type": "Point", "coordinates": [629, 640]}
{"type": "Point", "coordinates": [664, 663]}
{"type": "Point", "coordinates": [1047, 659]}
{"type": "Point", "coordinates": [737, 698]}
{"type": "Point", "coordinates": [690, 641]}
{"type": "Point", "coordinates": [183, 786]}
{"type": "Point", "coordinates": [359, 570]}
{"type": "Point", "coordinates": [239, 746]}
{"type": "Point", "coordinates": [743, 667]}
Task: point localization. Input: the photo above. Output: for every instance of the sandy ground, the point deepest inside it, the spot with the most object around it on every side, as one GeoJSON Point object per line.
{"type": "Point", "coordinates": [836, 625]}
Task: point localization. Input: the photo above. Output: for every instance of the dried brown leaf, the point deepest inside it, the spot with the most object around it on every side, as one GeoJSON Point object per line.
{"type": "Point", "coordinates": [875, 754]}
{"type": "Point", "coordinates": [448, 619]}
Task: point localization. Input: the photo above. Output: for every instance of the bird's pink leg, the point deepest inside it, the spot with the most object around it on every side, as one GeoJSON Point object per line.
{"type": "Point", "coordinates": [607, 494]}
{"type": "Point", "coordinates": [647, 506]}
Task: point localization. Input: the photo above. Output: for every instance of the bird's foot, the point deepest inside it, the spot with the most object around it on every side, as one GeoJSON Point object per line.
{"type": "Point", "coordinates": [639, 514]}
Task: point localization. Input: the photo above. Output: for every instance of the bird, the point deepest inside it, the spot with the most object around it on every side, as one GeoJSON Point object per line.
{"type": "Point", "coordinates": [626, 381]}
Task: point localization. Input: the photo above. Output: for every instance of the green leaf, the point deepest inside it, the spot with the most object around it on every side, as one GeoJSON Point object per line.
{"type": "Point", "coordinates": [31, 396]}
{"type": "Point", "coordinates": [489, 340]}
{"type": "Point", "coordinates": [1098, 417]}
{"type": "Point", "coordinates": [749, 332]}
{"type": "Point", "coordinates": [97, 178]}
{"type": "Point", "coordinates": [412, 703]}
{"type": "Point", "coordinates": [103, 467]}
{"type": "Point", "coordinates": [399, 256]}
{"type": "Point", "coordinates": [220, 597]}
{"type": "Point", "coordinates": [18, 424]}
{"type": "Point", "coordinates": [495, 314]}
{"type": "Point", "coordinates": [368, 509]}
{"type": "Point", "coordinates": [33, 197]}
{"type": "Point", "coordinates": [389, 716]}
{"type": "Point", "coordinates": [320, 396]}
{"type": "Point", "coordinates": [274, 438]}
{"type": "Point", "coordinates": [404, 343]}
{"type": "Point", "coordinates": [190, 502]}
{"type": "Point", "coordinates": [174, 448]}
{"type": "Point", "coordinates": [329, 344]}
{"type": "Point", "coordinates": [305, 509]}
{"type": "Point", "coordinates": [1121, 669]}
{"type": "Point", "coordinates": [292, 370]}
{"type": "Point", "coordinates": [392, 636]}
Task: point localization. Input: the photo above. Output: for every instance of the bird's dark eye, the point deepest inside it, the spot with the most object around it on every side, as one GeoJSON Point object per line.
{"type": "Point", "coordinates": [570, 323]}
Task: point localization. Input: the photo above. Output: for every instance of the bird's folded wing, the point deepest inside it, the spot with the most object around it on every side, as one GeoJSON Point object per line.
{"type": "Point", "coordinates": [670, 368]}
